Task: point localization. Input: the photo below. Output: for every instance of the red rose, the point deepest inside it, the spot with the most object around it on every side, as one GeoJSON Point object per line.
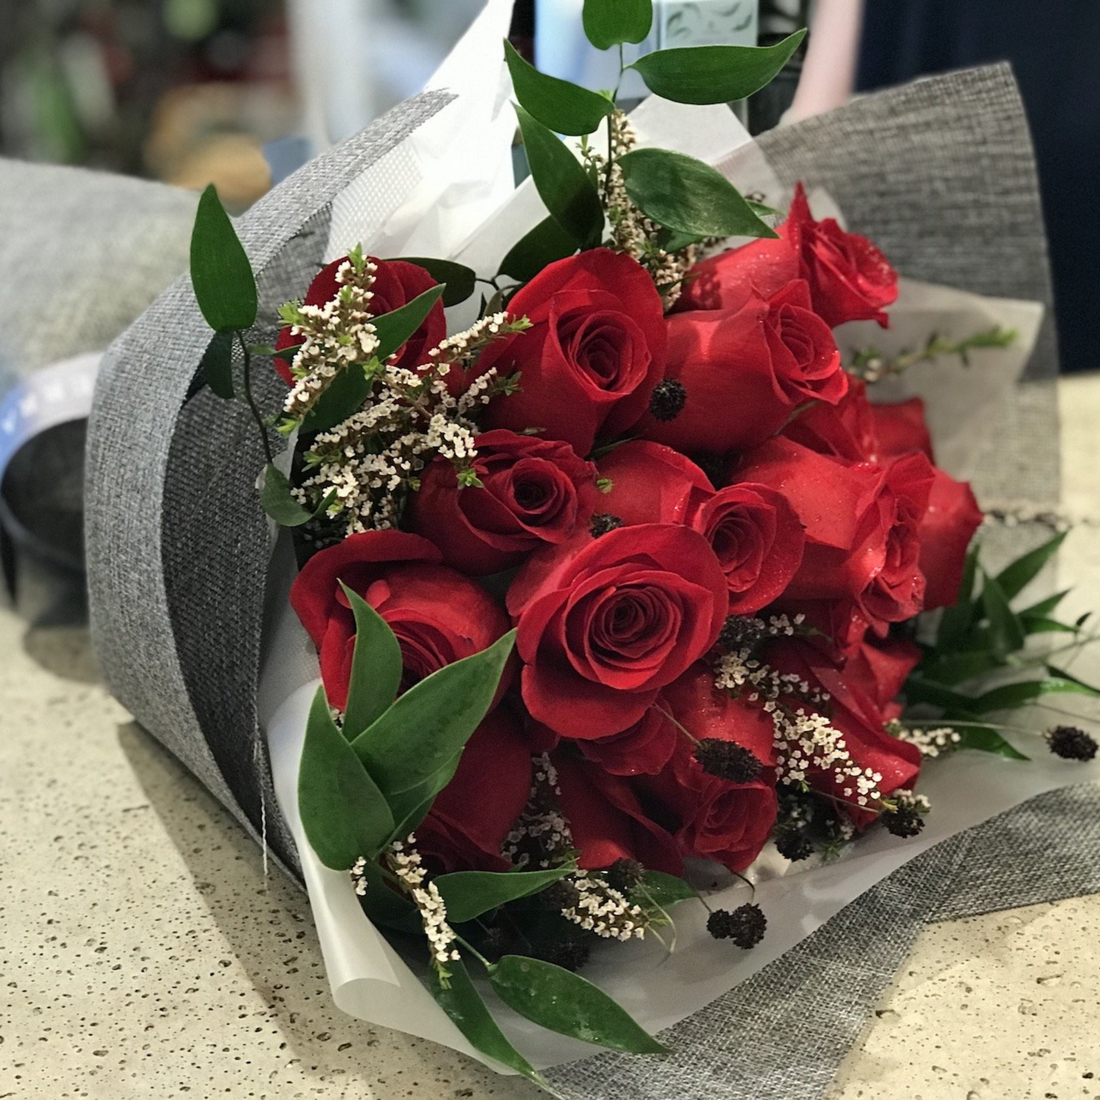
{"type": "Point", "coordinates": [720, 820]}
{"type": "Point", "coordinates": [533, 492]}
{"type": "Point", "coordinates": [900, 428]}
{"type": "Point", "coordinates": [744, 373]}
{"type": "Point", "coordinates": [651, 483]}
{"type": "Point", "coordinates": [594, 352]}
{"type": "Point", "coordinates": [946, 529]}
{"type": "Point", "coordinates": [605, 623]}
{"type": "Point", "coordinates": [396, 283]}
{"type": "Point", "coordinates": [844, 430]}
{"type": "Point", "coordinates": [473, 814]}
{"type": "Point", "coordinates": [641, 749]}
{"type": "Point", "coordinates": [861, 522]}
{"type": "Point", "coordinates": [879, 670]}
{"type": "Point", "coordinates": [758, 540]}
{"type": "Point", "coordinates": [848, 277]}
{"type": "Point", "coordinates": [438, 615]}
{"type": "Point", "coordinates": [607, 820]}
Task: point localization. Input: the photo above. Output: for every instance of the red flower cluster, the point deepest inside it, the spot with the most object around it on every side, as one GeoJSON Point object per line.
{"type": "Point", "coordinates": [618, 529]}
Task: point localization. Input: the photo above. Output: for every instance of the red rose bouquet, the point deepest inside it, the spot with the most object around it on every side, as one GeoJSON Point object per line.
{"type": "Point", "coordinates": [625, 580]}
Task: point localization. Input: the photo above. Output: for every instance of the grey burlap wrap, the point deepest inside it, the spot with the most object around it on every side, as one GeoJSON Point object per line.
{"type": "Point", "coordinates": [940, 173]}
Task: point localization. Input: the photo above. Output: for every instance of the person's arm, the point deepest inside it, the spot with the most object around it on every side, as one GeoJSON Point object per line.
{"type": "Point", "coordinates": [829, 71]}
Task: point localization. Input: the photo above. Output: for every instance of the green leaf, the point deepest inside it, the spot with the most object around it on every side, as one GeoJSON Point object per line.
{"type": "Point", "coordinates": [468, 894]}
{"type": "Point", "coordinates": [217, 365]}
{"type": "Point", "coordinates": [344, 814]}
{"type": "Point", "coordinates": [221, 275]}
{"type": "Point", "coordinates": [608, 23]}
{"type": "Point", "coordinates": [1015, 577]}
{"type": "Point", "coordinates": [1040, 624]}
{"type": "Point", "coordinates": [919, 690]}
{"type": "Point", "coordinates": [561, 181]}
{"type": "Point", "coordinates": [395, 328]}
{"type": "Point", "coordinates": [344, 396]}
{"type": "Point", "coordinates": [1016, 695]}
{"type": "Point", "coordinates": [985, 739]}
{"type": "Point", "coordinates": [714, 74]}
{"type": "Point", "coordinates": [537, 249]}
{"type": "Point", "coordinates": [277, 502]}
{"type": "Point", "coordinates": [459, 281]}
{"type": "Point", "coordinates": [384, 906]}
{"type": "Point", "coordinates": [562, 1001]}
{"type": "Point", "coordinates": [1045, 607]}
{"type": "Point", "coordinates": [558, 104]}
{"type": "Point", "coordinates": [956, 668]}
{"type": "Point", "coordinates": [1006, 632]}
{"type": "Point", "coordinates": [684, 194]}
{"type": "Point", "coordinates": [1062, 674]}
{"type": "Point", "coordinates": [957, 620]}
{"type": "Point", "coordinates": [661, 890]}
{"type": "Point", "coordinates": [463, 1004]}
{"type": "Point", "coordinates": [376, 667]}
{"type": "Point", "coordinates": [431, 723]}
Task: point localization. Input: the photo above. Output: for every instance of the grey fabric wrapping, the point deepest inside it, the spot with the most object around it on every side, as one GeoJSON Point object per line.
{"type": "Point", "coordinates": [940, 173]}
{"type": "Point", "coordinates": [82, 254]}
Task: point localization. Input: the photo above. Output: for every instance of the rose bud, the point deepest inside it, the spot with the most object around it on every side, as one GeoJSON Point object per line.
{"type": "Point", "coordinates": [533, 492]}
{"type": "Point", "coordinates": [396, 283]}
{"type": "Point", "coordinates": [605, 623]}
{"type": "Point", "coordinates": [758, 540]}
{"type": "Point", "coordinates": [473, 814]}
{"type": "Point", "coordinates": [438, 615]}
{"type": "Point", "coordinates": [595, 350]}
{"type": "Point", "coordinates": [651, 483]}
{"type": "Point", "coordinates": [744, 373]}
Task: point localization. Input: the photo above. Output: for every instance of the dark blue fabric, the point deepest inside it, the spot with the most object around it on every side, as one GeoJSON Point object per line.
{"type": "Point", "coordinates": [1053, 49]}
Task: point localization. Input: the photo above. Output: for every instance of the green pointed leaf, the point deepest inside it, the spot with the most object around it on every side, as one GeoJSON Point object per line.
{"type": "Point", "coordinates": [344, 396]}
{"type": "Point", "coordinates": [686, 195]}
{"type": "Point", "coordinates": [344, 814]}
{"type": "Point", "coordinates": [1017, 695]}
{"type": "Point", "coordinates": [463, 1004]}
{"type": "Point", "coordinates": [376, 667]}
{"type": "Point", "coordinates": [661, 890]}
{"type": "Point", "coordinates": [561, 181]}
{"type": "Point", "coordinates": [384, 906]}
{"type": "Point", "coordinates": [395, 328]}
{"type": "Point", "coordinates": [1006, 632]}
{"type": "Point", "coordinates": [714, 74]}
{"type": "Point", "coordinates": [956, 668]}
{"type": "Point", "coordinates": [1015, 577]}
{"type": "Point", "coordinates": [537, 249]}
{"type": "Point", "coordinates": [1041, 624]}
{"type": "Point", "coordinates": [561, 1001]}
{"type": "Point", "coordinates": [458, 280]}
{"type": "Point", "coordinates": [1062, 674]}
{"type": "Point", "coordinates": [956, 621]}
{"type": "Point", "coordinates": [920, 690]}
{"type": "Point", "coordinates": [558, 104]}
{"type": "Point", "coordinates": [1045, 607]}
{"type": "Point", "coordinates": [430, 724]}
{"type": "Point", "coordinates": [221, 275]}
{"type": "Point", "coordinates": [985, 739]}
{"type": "Point", "coordinates": [468, 894]}
{"type": "Point", "coordinates": [217, 365]}
{"type": "Point", "coordinates": [608, 23]}
{"type": "Point", "coordinates": [280, 505]}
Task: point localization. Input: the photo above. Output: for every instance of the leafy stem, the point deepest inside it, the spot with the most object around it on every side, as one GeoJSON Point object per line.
{"type": "Point", "coordinates": [251, 400]}
{"type": "Point", "coordinates": [872, 365]}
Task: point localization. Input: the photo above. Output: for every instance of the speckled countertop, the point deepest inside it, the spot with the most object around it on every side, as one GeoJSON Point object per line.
{"type": "Point", "coordinates": [143, 954]}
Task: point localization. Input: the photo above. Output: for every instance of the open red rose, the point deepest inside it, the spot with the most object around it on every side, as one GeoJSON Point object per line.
{"type": "Point", "coordinates": [641, 749]}
{"type": "Point", "coordinates": [758, 540]}
{"type": "Point", "coordinates": [850, 279]}
{"type": "Point", "coordinates": [900, 428]}
{"type": "Point", "coordinates": [533, 492]}
{"type": "Point", "coordinates": [594, 352]}
{"type": "Point", "coordinates": [861, 522]}
{"type": "Point", "coordinates": [607, 820]}
{"type": "Point", "coordinates": [946, 529]}
{"type": "Point", "coordinates": [651, 483]}
{"type": "Point", "coordinates": [605, 623]}
{"type": "Point", "coordinates": [438, 615]}
{"type": "Point", "coordinates": [744, 373]}
{"type": "Point", "coordinates": [879, 670]}
{"type": "Point", "coordinates": [844, 430]}
{"type": "Point", "coordinates": [473, 814]}
{"type": "Point", "coordinates": [396, 282]}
